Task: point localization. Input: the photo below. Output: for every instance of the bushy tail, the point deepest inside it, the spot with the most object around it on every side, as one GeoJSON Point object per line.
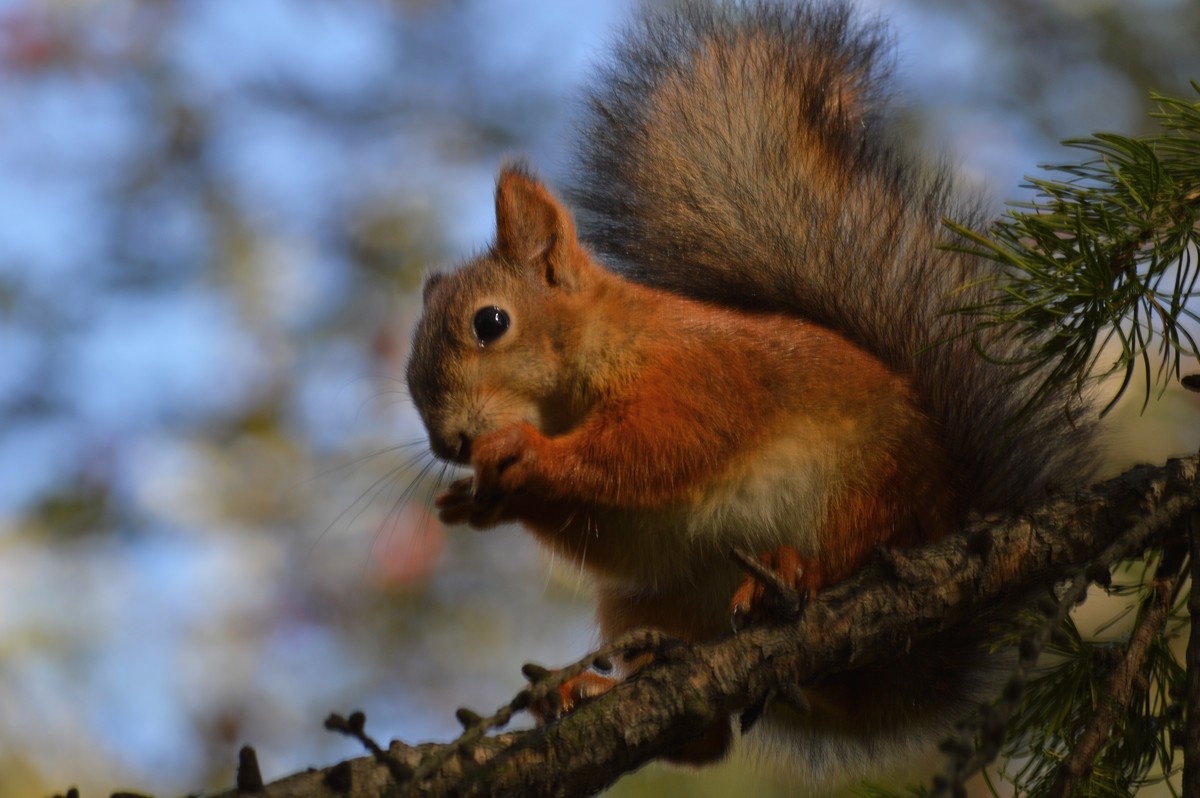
{"type": "Point", "coordinates": [741, 154]}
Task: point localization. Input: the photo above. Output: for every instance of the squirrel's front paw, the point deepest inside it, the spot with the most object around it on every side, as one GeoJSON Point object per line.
{"type": "Point", "coordinates": [459, 506]}
{"type": "Point", "coordinates": [504, 461]}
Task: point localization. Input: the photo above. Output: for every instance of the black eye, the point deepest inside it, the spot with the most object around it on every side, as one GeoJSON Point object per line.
{"type": "Point", "coordinates": [490, 324]}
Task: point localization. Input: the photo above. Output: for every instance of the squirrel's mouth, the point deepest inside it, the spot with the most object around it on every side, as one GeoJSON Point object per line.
{"type": "Point", "coordinates": [463, 455]}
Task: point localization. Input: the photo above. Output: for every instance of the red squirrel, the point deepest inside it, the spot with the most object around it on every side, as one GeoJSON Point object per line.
{"type": "Point", "coordinates": [744, 344]}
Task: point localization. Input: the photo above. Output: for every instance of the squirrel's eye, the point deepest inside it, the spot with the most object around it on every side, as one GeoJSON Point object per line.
{"type": "Point", "coordinates": [490, 324]}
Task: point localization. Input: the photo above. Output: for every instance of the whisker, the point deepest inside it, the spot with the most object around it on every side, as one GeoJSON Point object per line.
{"type": "Point", "coordinates": [406, 495]}
{"type": "Point", "coordinates": [352, 512]}
{"type": "Point", "coordinates": [390, 479]}
{"type": "Point", "coordinates": [358, 462]}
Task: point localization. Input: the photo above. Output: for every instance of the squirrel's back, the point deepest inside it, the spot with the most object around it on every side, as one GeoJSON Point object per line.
{"type": "Point", "coordinates": [741, 154]}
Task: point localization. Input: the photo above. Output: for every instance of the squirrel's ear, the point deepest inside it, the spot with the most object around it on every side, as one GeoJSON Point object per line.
{"type": "Point", "coordinates": [533, 229]}
{"type": "Point", "coordinates": [432, 280]}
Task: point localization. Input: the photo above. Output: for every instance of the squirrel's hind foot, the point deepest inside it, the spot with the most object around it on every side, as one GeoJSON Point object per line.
{"type": "Point", "coordinates": [778, 582]}
{"type": "Point", "coordinates": [570, 694]}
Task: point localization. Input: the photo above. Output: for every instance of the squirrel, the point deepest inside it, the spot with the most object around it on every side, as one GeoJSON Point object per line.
{"type": "Point", "coordinates": [739, 339]}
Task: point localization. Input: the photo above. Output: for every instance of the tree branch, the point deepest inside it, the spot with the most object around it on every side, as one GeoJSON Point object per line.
{"type": "Point", "coordinates": [902, 596]}
{"type": "Point", "coordinates": [1114, 701]}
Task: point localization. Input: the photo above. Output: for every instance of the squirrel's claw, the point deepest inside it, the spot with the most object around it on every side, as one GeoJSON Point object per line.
{"type": "Point", "coordinates": [454, 506]}
{"type": "Point", "coordinates": [569, 695]}
{"type": "Point", "coordinates": [460, 504]}
{"type": "Point", "coordinates": [784, 584]}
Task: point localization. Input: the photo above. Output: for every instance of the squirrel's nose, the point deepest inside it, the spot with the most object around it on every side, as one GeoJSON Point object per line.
{"type": "Point", "coordinates": [455, 448]}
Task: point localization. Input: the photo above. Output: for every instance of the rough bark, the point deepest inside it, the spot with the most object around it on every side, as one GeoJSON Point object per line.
{"type": "Point", "coordinates": [900, 597]}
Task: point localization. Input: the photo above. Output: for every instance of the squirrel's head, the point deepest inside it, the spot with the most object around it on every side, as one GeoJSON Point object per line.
{"type": "Point", "coordinates": [498, 337]}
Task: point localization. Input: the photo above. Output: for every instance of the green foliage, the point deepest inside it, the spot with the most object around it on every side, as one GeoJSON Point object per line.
{"type": "Point", "coordinates": [1105, 251]}
{"type": "Point", "coordinates": [1073, 682]}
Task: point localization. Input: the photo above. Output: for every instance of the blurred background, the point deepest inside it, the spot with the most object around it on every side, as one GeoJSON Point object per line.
{"type": "Point", "coordinates": [213, 217]}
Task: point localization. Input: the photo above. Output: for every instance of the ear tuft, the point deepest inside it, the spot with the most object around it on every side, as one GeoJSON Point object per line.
{"type": "Point", "coordinates": [532, 227]}
{"type": "Point", "coordinates": [432, 280]}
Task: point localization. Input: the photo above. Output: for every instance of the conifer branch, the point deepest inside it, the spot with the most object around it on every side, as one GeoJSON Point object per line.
{"type": "Point", "coordinates": [1105, 252]}
{"type": "Point", "coordinates": [982, 738]}
{"type": "Point", "coordinates": [1118, 693]}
